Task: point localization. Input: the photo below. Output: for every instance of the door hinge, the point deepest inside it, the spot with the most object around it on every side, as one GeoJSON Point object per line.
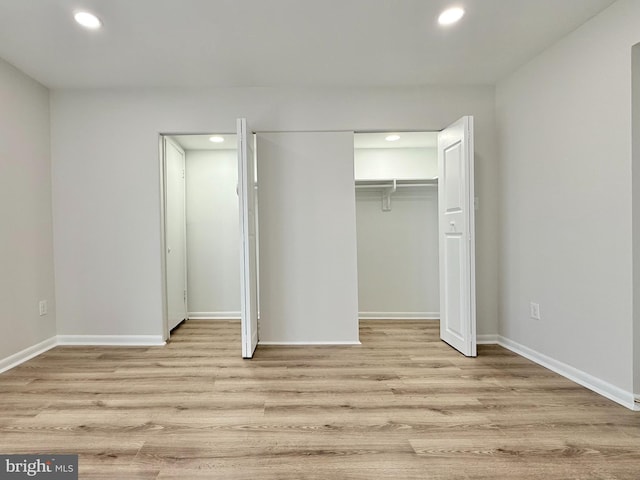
{"type": "Point", "coordinates": [183, 173]}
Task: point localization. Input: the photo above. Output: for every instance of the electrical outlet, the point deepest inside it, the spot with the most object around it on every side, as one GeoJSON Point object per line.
{"type": "Point", "coordinates": [534, 310]}
{"type": "Point", "coordinates": [42, 305]}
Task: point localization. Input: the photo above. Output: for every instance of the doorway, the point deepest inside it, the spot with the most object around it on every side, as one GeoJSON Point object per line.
{"type": "Point", "coordinates": [202, 251]}
{"type": "Point", "coordinates": [396, 182]}
{"type": "Point", "coordinates": [397, 246]}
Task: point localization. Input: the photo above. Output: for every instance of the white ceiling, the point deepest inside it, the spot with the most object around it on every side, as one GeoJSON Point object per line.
{"type": "Point", "coordinates": [177, 43]}
{"type": "Point", "coordinates": [201, 142]}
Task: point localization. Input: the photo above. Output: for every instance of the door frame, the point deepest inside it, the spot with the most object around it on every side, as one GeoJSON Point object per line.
{"type": "Point", "coordinates": [163, 238]}
{"type": "Point", "coordinates": [163, 216]}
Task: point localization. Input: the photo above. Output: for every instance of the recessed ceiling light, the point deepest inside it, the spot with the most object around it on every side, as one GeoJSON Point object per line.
{"type": "Point", "coordinates": [88, 20]}
{"type": "Point", "coordinates": [216, 139]}
{"type": "Point", "coordinates": [392, 138]}
{"type": "Point", "coordinates": [450, 16]}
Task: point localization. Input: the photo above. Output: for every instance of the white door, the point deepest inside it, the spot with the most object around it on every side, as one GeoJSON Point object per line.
{"type": "Point", "coordinates": [175, 233]}
{"type": "Point", "coordinates": [457, 236]}
{"type": "Point", "coordinates": [248, 247]}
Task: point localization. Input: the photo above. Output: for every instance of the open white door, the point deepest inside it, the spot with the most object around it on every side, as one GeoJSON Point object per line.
{"type": "Point", "coordinates": [175, 233]}
{"type": "Point", "coordinates": [248, 257]}
{"type": "Point", "coordinates": [457, 236]}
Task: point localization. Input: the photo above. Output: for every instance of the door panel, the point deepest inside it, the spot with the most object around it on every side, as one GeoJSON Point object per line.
{"type": "Point", "coordinates": [453, 169]}
{"type": "Point", "coordinates": [248, 242]}
{"type": "Point", "coordinates": [175, 233]}
{"type": "Point", "coordinates": [457, 236]}
{"type": "Point", "coordinates": [453, 288]}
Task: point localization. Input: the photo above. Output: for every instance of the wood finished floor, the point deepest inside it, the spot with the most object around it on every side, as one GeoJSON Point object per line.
{"type": "Point", "coordinates": [401, 405]}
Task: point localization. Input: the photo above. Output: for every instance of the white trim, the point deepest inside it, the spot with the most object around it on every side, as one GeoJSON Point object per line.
{"type": "Point", "coordinates": [27, 354]}
{"type": "Point", "coordinates": [214, 315]}
{"type": "Point", "coordinates": [595, 384]}
{"type": "Point", "coordinates": [112, 340]}
{"type": "Point", "coordinates": [399, 315]}
{"type": "Point", "coordinates": [163, 237]}
{"type": "Point", "coordinates": [487, 339]}
{"type": "Point", "coordinates": [262, 342]}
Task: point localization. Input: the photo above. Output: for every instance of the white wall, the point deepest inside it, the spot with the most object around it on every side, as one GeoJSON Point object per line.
{"type": "Point", "coordinates": [398, 163]}
{"type": "Point", "coordinates": [26, 243]}
{"type": "Point", "coordinates": [307, 224]}
{"type": "Point", "coordinates": [564, 124]}
{"type": "Point", "coordinates": [398, 254]}
{"type": "Point", "coordinates": [106, 180]}
{"type": "Point", "coordinates": [397, 249]}
{"type": "Point", "coordinates": [213, 235]}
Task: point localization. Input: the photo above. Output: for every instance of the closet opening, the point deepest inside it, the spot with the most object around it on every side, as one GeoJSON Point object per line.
{"type": "Point", "coordinates": [410, 254]}
{"type": "Point", "coordinates": [396, 189]}
{"type": "Point", "coordinates": [201, 233]}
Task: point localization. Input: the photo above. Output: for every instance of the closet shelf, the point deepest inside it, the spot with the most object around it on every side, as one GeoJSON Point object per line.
{"type": "Point", "coordinates": [395, 183]}
{"type": "Point", "coordinates": [390, 186]}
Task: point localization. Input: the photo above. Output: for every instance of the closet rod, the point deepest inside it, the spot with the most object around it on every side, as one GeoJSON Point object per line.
{"type": "Point", "coordinates": [387, 185]}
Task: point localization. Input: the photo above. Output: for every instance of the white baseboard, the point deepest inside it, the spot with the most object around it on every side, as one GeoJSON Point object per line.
{"type": "Point", "coordinates": [597, 385]}
{"type": "Point", "coordinates": [214, 315]}
{"type": "Point", "coordinates": [399, 315]}
{"type": "Point", "coordinates": [104, 340]}
{"type": "Point", "coordinates": [487, 339]}
{"type": "Point", "coordinates": [112, 340]}
{"type": "Point", "coordinates": [260, 342]}
{"type": "Point", "coordinates": [26, 354]}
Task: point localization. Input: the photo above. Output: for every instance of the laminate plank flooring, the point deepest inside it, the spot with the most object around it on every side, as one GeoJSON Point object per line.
{"type": "Point", "coordinates": [403, 405]}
